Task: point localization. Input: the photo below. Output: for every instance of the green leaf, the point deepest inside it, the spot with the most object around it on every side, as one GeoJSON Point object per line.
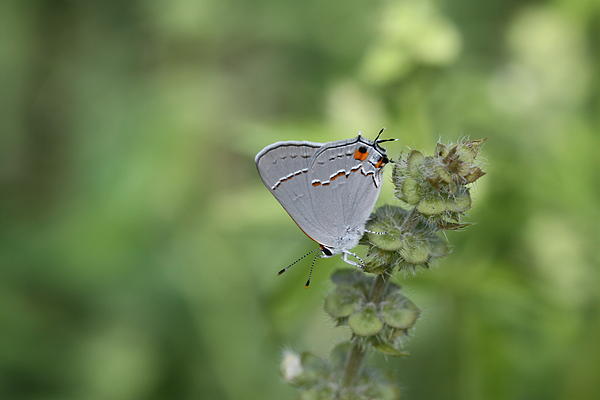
{"type": "Point", "coordinates": [388, 349]}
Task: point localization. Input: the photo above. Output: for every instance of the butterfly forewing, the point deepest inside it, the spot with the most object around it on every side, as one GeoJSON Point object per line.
{"type": "Point", "coordinates": [345, 184]}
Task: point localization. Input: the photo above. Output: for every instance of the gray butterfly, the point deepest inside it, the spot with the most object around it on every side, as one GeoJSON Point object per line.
{"type": "Point", "coordinates": [329, 189]}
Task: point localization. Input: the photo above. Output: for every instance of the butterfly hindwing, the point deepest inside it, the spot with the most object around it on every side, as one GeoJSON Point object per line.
{"type": "Point", "coordinates": [283, 167]}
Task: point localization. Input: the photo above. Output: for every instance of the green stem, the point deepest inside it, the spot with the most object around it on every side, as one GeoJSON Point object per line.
{"type": "Point", "coordinates": [378, 288]}
{"type": "Point", "coordinates": [353, 364]}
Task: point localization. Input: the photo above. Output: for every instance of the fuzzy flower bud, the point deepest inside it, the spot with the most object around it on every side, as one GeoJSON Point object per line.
{"type": "Point", "coordinates": [291, 366]}
{"type": "Point", "coordinates": [342, 302]}
{"type": "Point", "coordinates": [320, 379]}
{"type": "Point", "coordinates": [399, 312]}
{"type": "Point", "coordinates": [365, 322]}
{"type": "Point", "coordinates": [382, 321]}
{"type": "Point", "coordinates": [437, 185]}
{"type": "Point", "coordinates": [408, 242]}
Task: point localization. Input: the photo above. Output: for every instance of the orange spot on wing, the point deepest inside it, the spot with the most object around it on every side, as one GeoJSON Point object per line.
{"type": "Point", "coordinates": [338, 175]}
{"type": "Point", "coordinates": [379, 163]}
{"type": "Point", "coordinates": [360, 156]}
{"type": "Point", "coordinates": [316, 183]}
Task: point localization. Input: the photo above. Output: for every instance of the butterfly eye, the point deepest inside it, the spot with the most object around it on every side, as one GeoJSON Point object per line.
{"type": "Point", "coordinates": [326, 251]}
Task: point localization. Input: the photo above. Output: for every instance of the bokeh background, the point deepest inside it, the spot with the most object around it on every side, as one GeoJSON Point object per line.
{"type": "Point", "coordinates": [138, 246]}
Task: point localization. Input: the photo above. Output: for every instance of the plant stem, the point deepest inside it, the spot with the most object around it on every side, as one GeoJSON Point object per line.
{"type": "Point", "coordinates": [378, 288]}
{"type": "Point", "coordinates": [357, 353]}
{"type": "Point", "coordinates": [353, 363]}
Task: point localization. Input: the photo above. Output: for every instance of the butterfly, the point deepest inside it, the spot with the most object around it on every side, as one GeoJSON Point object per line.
{"type": "Point", "coordinates": [328, 189]}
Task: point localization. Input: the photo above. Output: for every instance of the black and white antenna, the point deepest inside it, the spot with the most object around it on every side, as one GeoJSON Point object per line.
{"type": "Point", "coordinates": [312, 266]}
{"type": "Point", "coordinates": [295, 262]}
{"type": "Point", "coordinates": [377, 141]}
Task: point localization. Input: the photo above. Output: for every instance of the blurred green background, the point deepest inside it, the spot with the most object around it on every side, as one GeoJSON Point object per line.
{"type": "Point", "coordinates": [138, 246]}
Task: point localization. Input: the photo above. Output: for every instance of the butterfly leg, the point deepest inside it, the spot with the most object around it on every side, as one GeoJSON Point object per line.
{"type": "Point", "coordinates": [376, 233]}
{"type": "Point", "coordinates": [347, 261]}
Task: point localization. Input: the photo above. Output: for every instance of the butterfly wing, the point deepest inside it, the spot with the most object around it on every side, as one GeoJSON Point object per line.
{"type": "Point", "coordinates": [345, 183]}
{"type": "Point", "coordinates": [283, 168]}
{"type": "Point", "coordinates": [328, 189]}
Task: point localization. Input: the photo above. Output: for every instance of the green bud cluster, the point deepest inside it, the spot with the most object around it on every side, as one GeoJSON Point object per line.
{"type": "Point", "coordinates": [437, 185]}
{"type": "Point", "coordinates": [382, 322]}
{"type": "Point", "coordinates": [400, 240]}
{"type": "Point", "coordinates": [321, 379]}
